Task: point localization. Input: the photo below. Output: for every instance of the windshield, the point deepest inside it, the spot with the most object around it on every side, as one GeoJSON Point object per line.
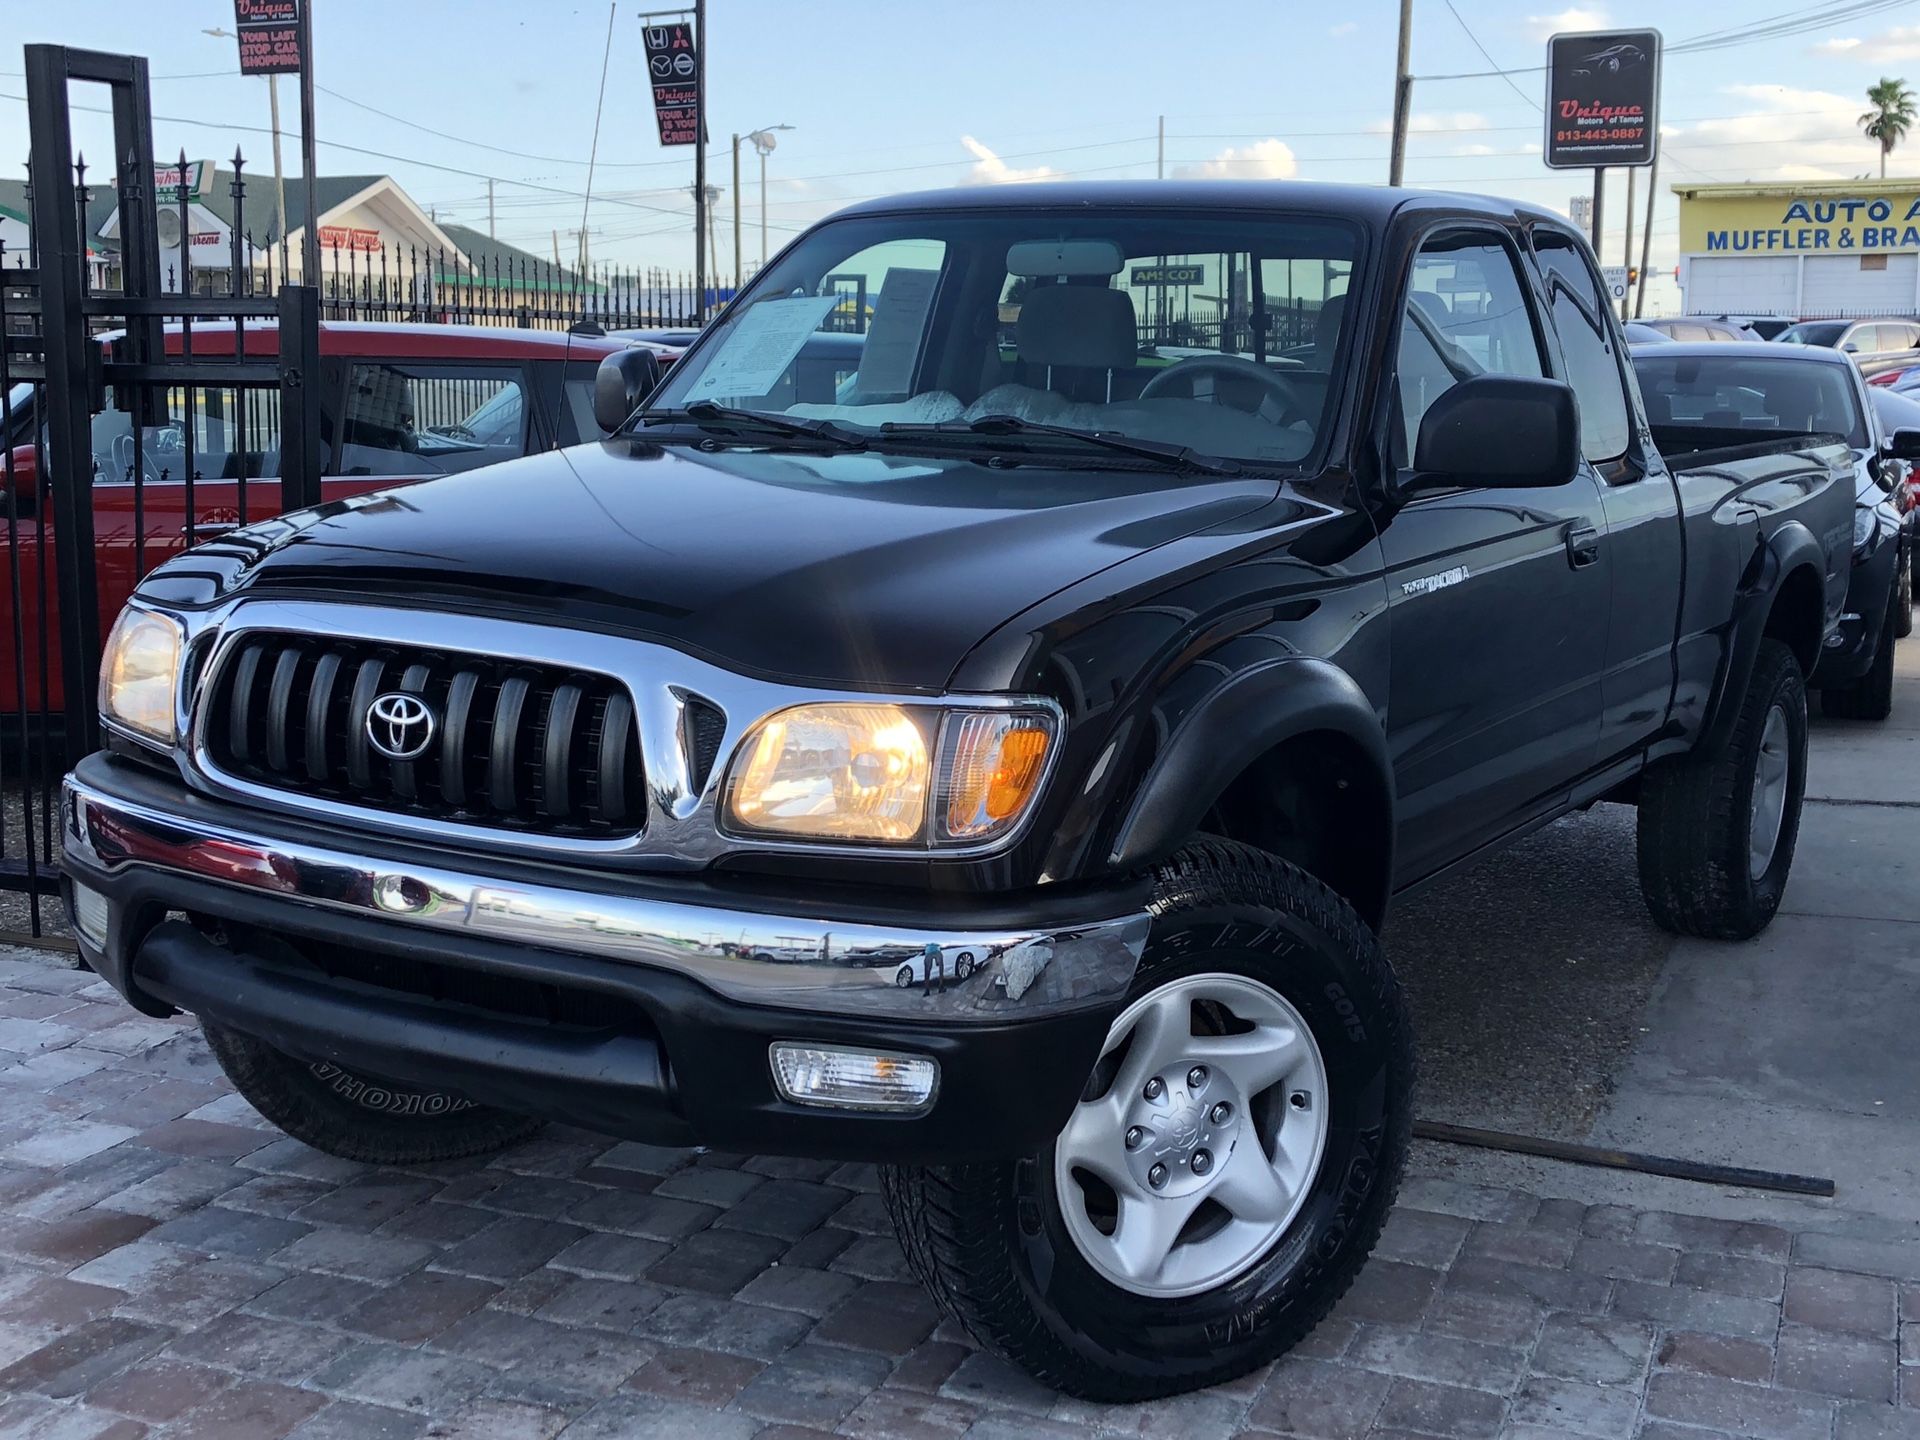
{"type": "Point", "coordinates": [1785, 395]}
{"type": "Point", "coordinates": [1813, 332]}
{"type": "Point", "coordinates": [1218, 335]}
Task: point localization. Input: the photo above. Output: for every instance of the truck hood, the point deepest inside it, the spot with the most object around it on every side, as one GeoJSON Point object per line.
{"type": "Point", "coordinates": [877, 571]}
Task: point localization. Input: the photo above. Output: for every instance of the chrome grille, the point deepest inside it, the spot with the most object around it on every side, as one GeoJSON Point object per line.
{"type": "Point", "coordinates": [531, 747]}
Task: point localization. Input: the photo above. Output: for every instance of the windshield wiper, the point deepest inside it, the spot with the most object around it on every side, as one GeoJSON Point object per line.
{"type": "Point", "coordinates": [1183, 457]}
{"type": "Point", "coordinates": [722, 419]}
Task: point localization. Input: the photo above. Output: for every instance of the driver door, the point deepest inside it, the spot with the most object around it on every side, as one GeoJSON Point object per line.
{"type": "Point", "coordinates": [1497, 597]}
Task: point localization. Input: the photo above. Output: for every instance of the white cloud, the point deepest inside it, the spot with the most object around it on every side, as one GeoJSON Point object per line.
{"type": "Point", "coordinates": [1900, 43]}
{"type": "Point", "coordinates": [990, 169]}
{"type": "Point", "coordinates": [1573, 18]}
{"type": "Point", "coordinates": [1434, 122]}
{"type": "Point", "coordinates": [1263, 160]}
{"type": "Point", "coordinates": [1345, 27]}
{"type": "Point", "coordinates": [1817, 128]}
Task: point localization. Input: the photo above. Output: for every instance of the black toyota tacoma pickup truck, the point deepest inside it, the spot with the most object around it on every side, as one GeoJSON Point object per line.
{"type": "Point", "coordinates": [997, 763]}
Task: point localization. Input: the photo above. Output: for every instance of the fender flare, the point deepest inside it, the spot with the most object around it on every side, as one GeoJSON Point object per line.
{"type": "Point", "coordinates": [1786, 550]}
{"type": "Point", "coordinates": [1239, 721]}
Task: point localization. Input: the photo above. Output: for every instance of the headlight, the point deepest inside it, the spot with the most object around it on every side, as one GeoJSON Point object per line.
{"type": "Point", "coordinates": [892, 774]}
{"type": "Point", "coordinates": [140, 674]}
{"type": "Point", "coordinates": [1866, 520]}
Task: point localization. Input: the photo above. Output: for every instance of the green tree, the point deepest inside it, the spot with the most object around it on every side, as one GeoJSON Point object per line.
{"type": "Point", "coordinates": [1892, 116]}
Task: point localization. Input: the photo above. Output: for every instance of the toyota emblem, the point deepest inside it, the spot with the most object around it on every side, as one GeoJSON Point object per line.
{"type": "Point", "coordinates": [400, 725]}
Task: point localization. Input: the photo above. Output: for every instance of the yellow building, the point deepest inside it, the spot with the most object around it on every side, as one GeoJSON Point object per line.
{"type": "Point", "coordinates": [1801, 248]}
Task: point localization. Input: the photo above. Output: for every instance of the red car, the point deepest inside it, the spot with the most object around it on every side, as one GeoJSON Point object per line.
{"type": "Point", "coordinates": [399, 402]}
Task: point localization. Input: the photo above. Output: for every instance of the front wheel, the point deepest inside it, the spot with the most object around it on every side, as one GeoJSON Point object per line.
{"type": "Point", "coordinates": [1227, 1168]}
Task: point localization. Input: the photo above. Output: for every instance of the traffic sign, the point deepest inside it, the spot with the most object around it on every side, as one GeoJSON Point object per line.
{"type": "Point", "coordinates": [1616, 278]}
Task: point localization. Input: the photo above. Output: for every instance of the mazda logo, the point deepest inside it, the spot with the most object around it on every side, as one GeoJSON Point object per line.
{"type": "Point", "coordinates": [400, 725]}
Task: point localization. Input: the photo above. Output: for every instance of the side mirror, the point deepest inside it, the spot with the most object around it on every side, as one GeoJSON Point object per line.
{"type": "Point", "coordinates": [622, 383]}
{"type": "Point", "coordinates": [1501, 431]}
{"type": "Point", "coordinates": [21, 473]}
{"type": "Point", "coordinates": [1852, 347]}
{"type": "Point", "coordinates": [1904, 444]}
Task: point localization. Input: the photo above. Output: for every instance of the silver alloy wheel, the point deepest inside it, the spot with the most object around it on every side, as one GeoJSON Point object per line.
{"type": "Point", "coordinates": [1238, 1120]}
{"type": "Point", "coordinates": [1769, 805]}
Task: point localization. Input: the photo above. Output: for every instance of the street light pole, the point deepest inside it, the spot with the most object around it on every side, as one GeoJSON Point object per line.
{"type": "Point", "coordinates": [736, 213]}
{"type": "Point", "coordinates": [309, 150]}
{"type": "Point", "coordinates": [279, 174]}
{"type": "Point", "coordinates": [1402, 96]}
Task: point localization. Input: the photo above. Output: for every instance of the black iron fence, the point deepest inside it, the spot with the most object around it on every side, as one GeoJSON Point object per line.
{"type": "Point", "coordinates": [104, 472]}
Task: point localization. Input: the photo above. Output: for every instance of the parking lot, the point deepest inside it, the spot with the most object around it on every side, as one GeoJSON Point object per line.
{"type": "Point", "coordinates": [176, 1268]}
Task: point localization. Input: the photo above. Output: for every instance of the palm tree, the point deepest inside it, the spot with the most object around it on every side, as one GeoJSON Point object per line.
{"type": "Point", "coordinates": [1893, 114]}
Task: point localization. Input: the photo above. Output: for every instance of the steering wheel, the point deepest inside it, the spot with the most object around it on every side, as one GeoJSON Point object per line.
{"type": "Point", "coordinates": [1230, 367]}
{"type": "Point", "coordinates": [123, 460]}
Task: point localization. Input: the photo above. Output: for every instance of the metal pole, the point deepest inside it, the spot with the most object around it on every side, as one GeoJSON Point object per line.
{"type": "Point", "coordinates": [700, 159]}
{"type": "Point", "coordinates": [1646, 235]}
{"type": "Point", "coordinates": [736, 212]}
{"type": "Point", "coordinates": [310, 239]}
{"type": "Point", "coordinates": [1160, 163]}
{"type": "Point", "coordinates": [1626, 247]}
{"type": "Point", "coordinates": [763, 209]}
{"type": "Point", "coordinates": [1402, 95]}
{"type": "Point", "coordinates": [1599, 195]}
{"type": "Point", "coordinates": [490, 234]}
{"type": "Point", "coordinates": [279, 175]}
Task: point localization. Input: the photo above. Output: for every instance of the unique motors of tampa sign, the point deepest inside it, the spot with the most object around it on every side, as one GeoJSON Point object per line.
{"type": "Point", "coordinates": [1603, 99]}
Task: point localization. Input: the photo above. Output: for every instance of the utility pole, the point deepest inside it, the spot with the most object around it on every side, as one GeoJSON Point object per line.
{"type": "Point", "coordinates": [1402, 96]}
{"type": "Point", "coordinates": [309, 149]}
{"type": "Point", "coordinates": [700, 160]}
{"type": "Point", "coordinates": [1160, 164]}
{"type": "Point", "coordinates": [1646, 235]}
{"type": "Point", "coordinates": [763, 149]}
{"type": "Point", "coordinates": [736, 212]}
{"type": "Point", "coordinates": [1599, 196]}
{"type": "Point", "coordinates": [279, 176]}
{"type": "Point", "coordinates": [1626, 248]}
{"type": "Point", "coordinates": [490, 234]}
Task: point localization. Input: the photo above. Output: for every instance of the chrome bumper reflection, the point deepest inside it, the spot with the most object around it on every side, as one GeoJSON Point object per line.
{"type": "Point", "coordinates": [808, 961]}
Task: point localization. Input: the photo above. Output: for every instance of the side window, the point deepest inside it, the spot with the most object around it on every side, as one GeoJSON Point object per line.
{"type": "Point", "coordinates": [231, 431]}
{"type": "Point", "coordinates": [1467, 315]}
{"type": "Point", "coordinates": [406, 419]}
{"type": "Point", "coordinates": [1868, 339]}
{"type": "Point", "coordinates": [1586, 344]}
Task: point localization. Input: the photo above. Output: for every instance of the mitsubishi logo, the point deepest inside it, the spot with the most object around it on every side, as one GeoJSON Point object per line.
{"type": "Point", "coordinates": [400, 725]}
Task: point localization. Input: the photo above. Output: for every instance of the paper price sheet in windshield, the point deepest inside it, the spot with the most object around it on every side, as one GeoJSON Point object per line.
{"type": "Point", "coordinates": [767, 340]}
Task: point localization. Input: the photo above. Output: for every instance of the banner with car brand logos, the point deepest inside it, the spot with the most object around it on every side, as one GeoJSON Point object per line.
{"type": "Point", "coordinates": [1603, 98]}
{"type": "Point", "coordinates": [675, 75]}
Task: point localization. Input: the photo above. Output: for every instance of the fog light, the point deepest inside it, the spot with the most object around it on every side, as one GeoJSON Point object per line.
{"type": "Point", "coordinates": [854, 1079]}
{"type": "Point", "coordinates": [90, 913]}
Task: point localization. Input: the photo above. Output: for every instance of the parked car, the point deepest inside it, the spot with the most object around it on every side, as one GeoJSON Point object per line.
{"type": "Point", "coordinates": [1765, 327]}
{"type": "Point", "coordinates": [1698, 329]}
{"type": "Point", "coordinates": [1896, 412]}
{"type": "Point", "coordinates": [1152, 684]}
{"type": "Point", "coordinates": [1711, 394]}
{"type": "Point", "coordinates": [1638, 332]}
{"type": "Point", "coordinates": [674, 337]}
{"type": "Point", "coordinates": [1883, 349]}
{"type": "Point", "coordinates": [399, 402]}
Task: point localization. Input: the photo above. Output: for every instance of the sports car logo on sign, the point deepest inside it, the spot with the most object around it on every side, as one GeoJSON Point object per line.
{"type": "Point", "coordinates": [400, 725]}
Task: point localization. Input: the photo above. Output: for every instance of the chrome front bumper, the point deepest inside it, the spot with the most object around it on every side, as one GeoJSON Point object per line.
{"type": "Point", "coordinates": [807, 960]}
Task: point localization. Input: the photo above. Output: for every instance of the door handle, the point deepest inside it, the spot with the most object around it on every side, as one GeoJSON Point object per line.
{"type": "Point", "coordinates": [1583, 546]}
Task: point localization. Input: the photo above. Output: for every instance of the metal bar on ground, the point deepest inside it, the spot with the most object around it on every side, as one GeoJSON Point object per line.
{"type": "Point", "coordinates": [1701, 1171]}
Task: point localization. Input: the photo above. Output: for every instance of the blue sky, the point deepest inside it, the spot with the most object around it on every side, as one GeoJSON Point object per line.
{"type": "Point", "coordinates": [891, 96]}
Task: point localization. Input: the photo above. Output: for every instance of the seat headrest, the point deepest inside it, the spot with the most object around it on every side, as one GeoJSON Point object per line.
{"type": "Point", "coordinates": [1078, 325]}
{"type": "Point", "coordinates": [1326, 325]}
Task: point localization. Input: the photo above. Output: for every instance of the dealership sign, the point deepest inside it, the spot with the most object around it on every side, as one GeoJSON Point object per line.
{"type": "Point", "coordinates": [1603, 98]}
{"type": "Point", "coordinates": [269, 34]}
{"type": "Point", "coordinates": [675, 74]}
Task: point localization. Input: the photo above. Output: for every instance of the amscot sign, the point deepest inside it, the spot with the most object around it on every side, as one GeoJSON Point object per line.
{"type": "Point", "coordinates": [1603, 98]}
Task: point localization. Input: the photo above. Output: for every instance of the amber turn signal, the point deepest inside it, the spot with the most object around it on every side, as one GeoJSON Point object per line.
{"type": "Point", "coordinates": [994, 771]}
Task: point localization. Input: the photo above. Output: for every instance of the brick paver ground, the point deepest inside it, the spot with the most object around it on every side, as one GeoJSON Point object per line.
{"type": "Point", "coordinates": [172, 1267]}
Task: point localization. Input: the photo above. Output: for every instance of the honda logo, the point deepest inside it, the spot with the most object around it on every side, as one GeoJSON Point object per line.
{"type": "Point", "coordinates": [400, 725]}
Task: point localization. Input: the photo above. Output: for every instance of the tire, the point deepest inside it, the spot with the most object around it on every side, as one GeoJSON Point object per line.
{"type": "Point", "coordinates": [1903, 597]}
{"type": "Point", "coordinates": [903, 977]}
{"type": "Point", "coordinates": [1697, 816]}
{"type": "Point", "coordinates": [357, 1118]}
{"type": "Point", "coordinates": [994, 1242]}
{"type": "Point", "coordinates": [1871, 696]}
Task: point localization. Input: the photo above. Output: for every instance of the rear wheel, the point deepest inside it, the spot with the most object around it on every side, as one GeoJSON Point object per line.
{"type": "Point", "coordinates": [1717, 831]}
{"type": "Point", "coordinates": [1903, 597]}
{"type": "Point", "coordinates": [1227, 1169]}
{"type": "Point", "coordinates": [358, 1117]}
